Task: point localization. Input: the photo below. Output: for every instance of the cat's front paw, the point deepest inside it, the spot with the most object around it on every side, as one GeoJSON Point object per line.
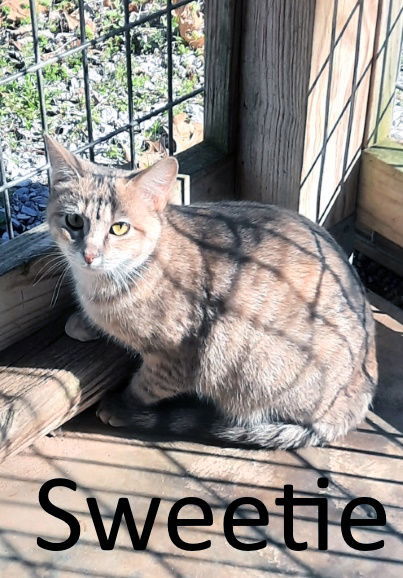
{"type": "Point", "coordinates": [118, 409]}
{"type": "Point", "coordinates": [78, 328]}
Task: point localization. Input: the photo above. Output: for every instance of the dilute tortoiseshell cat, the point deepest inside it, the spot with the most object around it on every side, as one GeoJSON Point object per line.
{"type": "Point", "coordinates": [251, 307]}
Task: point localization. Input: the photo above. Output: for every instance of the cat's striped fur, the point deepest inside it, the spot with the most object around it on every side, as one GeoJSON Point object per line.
{"type": "Point", "coordinates": [250, 307]}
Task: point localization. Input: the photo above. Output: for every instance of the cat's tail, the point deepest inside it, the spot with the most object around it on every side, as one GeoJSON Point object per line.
{"type": "Point", "coordinates": [195, 421]}
{"type": "Point", "coordinates": [281, 436]}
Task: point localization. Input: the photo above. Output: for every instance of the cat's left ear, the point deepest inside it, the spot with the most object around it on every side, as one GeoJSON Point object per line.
{"type": "Point", "coordinates": [156, 182]}
{"type": "Point", "coordinates": [64, 166]}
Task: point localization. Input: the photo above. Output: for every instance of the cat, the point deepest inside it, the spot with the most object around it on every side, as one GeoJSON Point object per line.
{"type": "Point", "coordinates": [251, 307]}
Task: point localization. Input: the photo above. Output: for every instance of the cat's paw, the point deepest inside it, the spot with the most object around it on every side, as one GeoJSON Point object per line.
{"type": "Point", "coordinates": [118, 409]}
{"type": "Point", "coordinates": [77, 328]}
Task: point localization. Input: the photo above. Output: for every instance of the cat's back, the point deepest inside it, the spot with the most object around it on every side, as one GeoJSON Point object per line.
{"type": "Point", "coordinates": [257, 252]}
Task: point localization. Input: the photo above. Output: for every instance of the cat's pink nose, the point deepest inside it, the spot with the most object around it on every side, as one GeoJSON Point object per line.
{"type": "Point", "coordinates": [89, 256]}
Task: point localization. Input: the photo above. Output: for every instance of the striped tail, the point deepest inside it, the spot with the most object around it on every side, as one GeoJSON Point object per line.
{"type": "Point", "coordinates": [196, 421]}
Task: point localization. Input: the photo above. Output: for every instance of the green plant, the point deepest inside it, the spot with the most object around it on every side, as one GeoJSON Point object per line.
{"type": "Point", "coordinates": [155, 131]}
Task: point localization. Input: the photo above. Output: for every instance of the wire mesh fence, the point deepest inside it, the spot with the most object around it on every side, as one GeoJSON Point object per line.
{"type": "Point", "coordinates": [117, 81]}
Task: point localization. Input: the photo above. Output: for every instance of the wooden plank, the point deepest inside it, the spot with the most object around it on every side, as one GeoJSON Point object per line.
{"type": "Point", "coordinates": [384, 72]}
{"type": "Point", "coordinates": [44, 387]}
{"type": "Point", "coordinates": [30, 293]}
{"type": "Point", "coordinates": [380, 201]}
{"type": "Point", "coordinates": [21, 250]}
{"type": "Point", "coordinates": [343, 40]}
{"type": "Point", "coordinates": [211, 173]}
{"type": "Point", "coordinates": [274, 77]}
{"type": "Point", "coordinates": [380, 250]}
{"type": "Point", "coordinates": [223, 19]}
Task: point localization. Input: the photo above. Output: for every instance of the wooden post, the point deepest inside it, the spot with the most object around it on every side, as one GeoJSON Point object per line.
{"type": "Point", "coordinates": [305, 71]}
{"type": "Point", "coordinates": [275, 63]}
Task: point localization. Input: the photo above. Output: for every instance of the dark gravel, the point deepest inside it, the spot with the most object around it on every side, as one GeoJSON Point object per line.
{"type": "Point", "coordinates": [28, 206]}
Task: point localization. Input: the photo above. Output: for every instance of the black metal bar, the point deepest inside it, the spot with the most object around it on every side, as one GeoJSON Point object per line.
{"type": "Point", "coordinates": [327, 109]}
{"type": "Point", "coordinates": [6, 199]}
{"type": "Point", "coordinates": [106, 137]}
{"type": "Point", "coordinates": [37, 55]}
{"type": "Point", "coordinates": [129, 76]}
{"type": "Point", "coordinates": [170, 81]}
{"type": "Point", "coordinates": [87, 91]}
{"type": "Point", "coordinates": [93, 42]}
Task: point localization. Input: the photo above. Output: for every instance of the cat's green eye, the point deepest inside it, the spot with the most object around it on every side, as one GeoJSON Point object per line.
{"type": "Point", "coordinates": [119, 229]}
{"type": "Point", "coordinates": [74, 221]}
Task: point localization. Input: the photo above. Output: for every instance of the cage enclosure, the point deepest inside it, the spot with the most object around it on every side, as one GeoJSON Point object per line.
{"type": "Point", "coordinates": [288, 102]}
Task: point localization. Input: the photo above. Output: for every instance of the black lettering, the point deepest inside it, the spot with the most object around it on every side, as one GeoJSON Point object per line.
{"type": "Point", "coordinates": [230, 522]}
{"type": "Point", "coordinates": [347, 523]}
{"type": "Point", "coordinates": [123, 510]}
{"type": "Point", "coordinates": [174, 523]}
{"type": "Point", "coordinates": [289, 502]}
{"type": "Point", "coordinates": [53, 510]}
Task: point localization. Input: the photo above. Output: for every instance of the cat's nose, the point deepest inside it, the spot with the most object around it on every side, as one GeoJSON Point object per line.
{"type": "Point", "coordinates": [89, 256]}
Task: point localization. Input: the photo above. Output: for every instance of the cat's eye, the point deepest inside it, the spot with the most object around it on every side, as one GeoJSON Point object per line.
{"type": "Point", "coordinates": [74, 221]}
{"type": "Point", "coordinates": [119, 229]}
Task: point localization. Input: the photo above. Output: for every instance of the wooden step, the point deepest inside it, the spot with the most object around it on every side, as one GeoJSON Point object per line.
{"type": "Point", "coordinates": [47, 378]}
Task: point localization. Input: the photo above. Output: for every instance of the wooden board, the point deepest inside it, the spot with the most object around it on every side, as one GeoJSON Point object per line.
{"type": "Point", "coordinates": [340, 74]}
{"type": "Point", "coordinates": [30, 295]}
{"type": "Point", "coordinates": [48, 378]}
{"type": "Point", "coordinates": [380, 202]}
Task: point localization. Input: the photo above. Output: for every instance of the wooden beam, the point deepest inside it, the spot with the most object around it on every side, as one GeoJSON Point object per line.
{"type": "Point", "coordinates": [223, 20]}
{"type": "Point", "coordinates": [274, 74]}
{"type": "Point", "coordinates": [48, 378]}
{"type": "Point", "coordinates": [380, 201]}
{"type": "Point", "coordinates": [305, 72]}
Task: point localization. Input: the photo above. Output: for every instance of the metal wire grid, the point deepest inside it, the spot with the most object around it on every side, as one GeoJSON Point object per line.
{"type": "Point", "coordinates": [82, 48]}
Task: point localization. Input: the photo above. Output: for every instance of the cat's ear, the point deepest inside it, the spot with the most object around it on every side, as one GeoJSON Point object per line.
{"type": "Point", "coordinates": [64, 166]}
{"type": "Point", "coordinates": [157, 182]}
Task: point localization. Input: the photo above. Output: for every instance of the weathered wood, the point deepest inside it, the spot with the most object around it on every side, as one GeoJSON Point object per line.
{"type": "Point", "coordinates": [211, 174]}
{"type": "Point", "coordinates": [384, 71]}
{"type": "Point", "coordinates": [305, 72]}
{"type": "Point", "coordinates": [380, 250]}
{"type": "Point", "coordinates": [343, 40]}
{"type": "Point", "coordinates": [275, 64]}
{"type": "Point", "coordinates": [21, 250]}
{"type": "Point", "coordinates": [380, 201]}
{"type": "Point", "coordinates": [30, 293]}
{"type": "Point", "coordinates": [44, 385]}
{"type": "Point", "coordinates": [223, 19]}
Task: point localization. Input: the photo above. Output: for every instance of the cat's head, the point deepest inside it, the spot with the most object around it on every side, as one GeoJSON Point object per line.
{"type": "Point", "coordinates": [106, 220]}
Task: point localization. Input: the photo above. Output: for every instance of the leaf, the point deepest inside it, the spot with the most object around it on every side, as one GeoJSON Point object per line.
{"type": "Point", "coordinates": [17, 10]}
{"type": "Point", "coordinates": [155, 151]}
{"type": "Point", "coordinates": [186, 132]}
{"type": "Point", "coordinates": [191, 24]}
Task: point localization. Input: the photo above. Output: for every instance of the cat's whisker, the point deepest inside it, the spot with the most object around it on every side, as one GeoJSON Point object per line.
{"type": "Point", "coordinates": [50, 260]}
{"type": "Point", "coordinates": [47, 269]}
{"type": "Point", "coordinates": [57, 288]}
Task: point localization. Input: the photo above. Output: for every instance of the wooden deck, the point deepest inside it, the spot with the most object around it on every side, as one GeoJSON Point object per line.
{"type": "Point", "coordinates": [107, 465]}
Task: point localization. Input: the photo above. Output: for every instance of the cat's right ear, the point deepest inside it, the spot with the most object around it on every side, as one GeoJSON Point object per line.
{"type": "Point", "coordinates": [64, 166]}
